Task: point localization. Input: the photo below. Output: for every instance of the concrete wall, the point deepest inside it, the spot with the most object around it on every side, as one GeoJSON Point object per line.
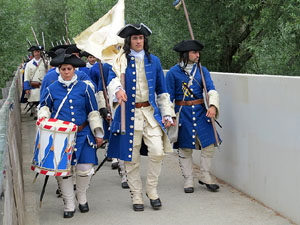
{"type": "Point", "coordinates": [260, 153]}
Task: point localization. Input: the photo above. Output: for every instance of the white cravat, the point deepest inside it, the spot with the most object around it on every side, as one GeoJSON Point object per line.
{"type": "Point", "coordinates": [67, 82]}
{"type": "Point", "coordinates": [139, 55]}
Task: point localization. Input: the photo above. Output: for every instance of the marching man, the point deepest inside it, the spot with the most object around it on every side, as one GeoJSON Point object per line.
{"type": "Point", "coordinates": [147, 116]}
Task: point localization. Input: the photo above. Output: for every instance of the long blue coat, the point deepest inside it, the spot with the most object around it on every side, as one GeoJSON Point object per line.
{"type": "Point", "coordinates": [121, 146]}
{"type": "Point", "coordinates": [193, 119]}
{"type": "Point", "coordinates": [79, 103]}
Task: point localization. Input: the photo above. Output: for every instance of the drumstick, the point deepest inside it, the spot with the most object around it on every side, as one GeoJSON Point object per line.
{"type": "Point", "coordinates": [43, 191]}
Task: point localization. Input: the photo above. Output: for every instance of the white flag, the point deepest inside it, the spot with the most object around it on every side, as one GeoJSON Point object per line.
{"type": "Point", "coordinates": [101, 39]}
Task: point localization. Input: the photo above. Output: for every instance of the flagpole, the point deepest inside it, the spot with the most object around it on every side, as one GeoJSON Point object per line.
{"type": "Point", "coordinates": [188, 20]}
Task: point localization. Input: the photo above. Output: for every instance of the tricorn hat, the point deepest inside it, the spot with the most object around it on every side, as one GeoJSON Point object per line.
{"type": "Point", "coordinates": [36, 48]}
{"type": "Point", "coordinates": [55, 53]}
{"type": "Point", "coordinates": [188, 45]}
{"type": "Point", "coordinates": [65, 58]}
{"type": "Point", "coordinates": [134, 29]}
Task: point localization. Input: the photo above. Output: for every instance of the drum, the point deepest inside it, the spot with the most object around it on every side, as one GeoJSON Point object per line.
{"type": "Point", "coordinates": [53, 148]}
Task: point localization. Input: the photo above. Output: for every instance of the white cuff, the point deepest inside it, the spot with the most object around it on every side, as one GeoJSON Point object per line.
{"type": "Point", "coordinates": [213, 98]}
{"type": "Point", "coordinates": [98, 133]}
{"type": "Point", "coordinates": [100, 100]}
{"type": "Point", "coordinates": [95, 121]}
{"type": "Point", "coordinates": [44, 112]}
{"type": "Point", "coordinates": [165, 106]}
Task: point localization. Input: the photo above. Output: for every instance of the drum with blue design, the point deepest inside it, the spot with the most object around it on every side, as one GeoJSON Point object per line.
{"type": "Point", "coordinates": [54, 146]}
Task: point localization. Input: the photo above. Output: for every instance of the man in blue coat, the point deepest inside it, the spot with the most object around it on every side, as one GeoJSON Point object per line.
{"type": "Point", "coordinates": [195, 129]}
{"type": "Point", "coordinates": [148, 113]}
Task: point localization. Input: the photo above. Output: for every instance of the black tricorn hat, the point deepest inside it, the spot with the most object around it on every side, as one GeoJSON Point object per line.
{"type": "Point", "coordinates": [55, 53]}
{"type": "Point", "coordinates": [65, 58]}
{"type": "Point", "coordinates": [134, 29]}
{"type": "Point", "coordinates": [72, 49]}
{"type": "Point", "coordinates": [188, 45]}
{"type": "Point", "coordinates": [35, 48]}
{"type": "Point", "coordinates": [51, 54]}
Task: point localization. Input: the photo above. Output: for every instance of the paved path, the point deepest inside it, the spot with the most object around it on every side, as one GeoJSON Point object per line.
{"type": "Point", "coordinates": [111, 205]}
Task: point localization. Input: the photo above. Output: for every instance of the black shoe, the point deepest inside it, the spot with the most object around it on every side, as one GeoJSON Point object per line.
{"type": "Point", "coordinates": [210, 187]}
{"type": "Point", "coordinates": [35, 118]}
{"type": "Point", "coordinates": [189, 190]}
{"type": "Point", "coordinates": [125, 185]}
{"type": "Point", "coordinates": [69, 214]}
{"type": "Point", "coordinates": [115, 165]}
{"type": "Point", "coordinates": [138, 207]}
{"type": "Point", "coordinates": [74, 187]}
{"type": "Point", "coordinates": [84, 208]}
{"type": "Point", "coordinates": [109, 160]}
{"type": "Point", "coordinates": [156, 204]}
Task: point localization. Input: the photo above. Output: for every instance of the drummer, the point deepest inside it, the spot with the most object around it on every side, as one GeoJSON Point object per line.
{"type": "Point", "coordinates": [70, 99]}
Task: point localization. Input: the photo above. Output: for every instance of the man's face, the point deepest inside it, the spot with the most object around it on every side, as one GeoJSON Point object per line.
{"type": "Point", "coordinates": [137, 42]}
{"type": "Point", "coordinates": [194, 56]}
{"type": "Point", "coordinates": [37, 54]}
{"type": "Point", "coordinates": [91, 59]}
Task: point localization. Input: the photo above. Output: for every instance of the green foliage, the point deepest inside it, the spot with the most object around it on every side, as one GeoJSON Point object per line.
{"type": "Point", "coordinates": [252, 36]}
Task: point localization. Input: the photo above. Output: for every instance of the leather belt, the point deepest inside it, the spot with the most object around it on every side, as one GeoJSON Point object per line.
{"type": "Point", "coordinates": [141, 104]}
{"type": "Point", "coordinates": [35, 84]}
{"type": "Point", "coordinates": [80, 128]}
{"type": "Point", "coordinates": [190, 102]}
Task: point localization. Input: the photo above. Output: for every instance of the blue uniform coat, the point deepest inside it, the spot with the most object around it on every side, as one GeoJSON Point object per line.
{"type": "Point", "coordinates": [193, 119]}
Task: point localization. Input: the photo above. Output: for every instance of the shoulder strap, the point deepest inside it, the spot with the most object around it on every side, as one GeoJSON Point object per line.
{"type": "Point", "coordinates": [63, 101]}
{"type": "Point", "coordinates": [189, 84]}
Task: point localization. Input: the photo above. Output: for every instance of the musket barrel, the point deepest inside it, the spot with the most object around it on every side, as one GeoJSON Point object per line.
{"type": "Point", "coordinates": [36, 40]}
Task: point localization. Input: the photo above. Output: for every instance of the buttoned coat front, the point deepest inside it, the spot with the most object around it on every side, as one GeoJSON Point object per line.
{"type": "Point", "coordinates": [121, 146]}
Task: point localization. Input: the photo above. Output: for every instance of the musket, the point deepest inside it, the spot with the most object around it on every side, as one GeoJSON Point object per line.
{"type": "Point", "coordinates": [64, 40]}
{"type": "Point", "coordinates": [52, 44]}
{"type": "Point", "coordinates": [104, 89]}
{"type": "Point", "coordinates": [43, 40]}
{"type": "Point", "coordinates": [201, 72]}
{"type": "Point", "coordinates": [36, 40]}
{"type": "Point", "coordinates": [69, 41]}
{"type": "Point", "coordinates": [28, 42]}
{"type": "Point", "coordinates": [67, 32]}
{"type": "Point", "coordinates": [57, 43]}
{"type": "Point", "coordinates": [60, 42]}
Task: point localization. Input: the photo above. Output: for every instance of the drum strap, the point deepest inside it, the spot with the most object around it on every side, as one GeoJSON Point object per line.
{"type": "Point", "coordinates": [63, 101]}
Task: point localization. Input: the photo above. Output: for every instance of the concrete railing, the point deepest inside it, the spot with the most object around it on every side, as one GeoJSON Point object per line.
{"type": "Point", "coordinates": [11, 177]}
{"type": "Point", "coordinates": [260, 153]}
